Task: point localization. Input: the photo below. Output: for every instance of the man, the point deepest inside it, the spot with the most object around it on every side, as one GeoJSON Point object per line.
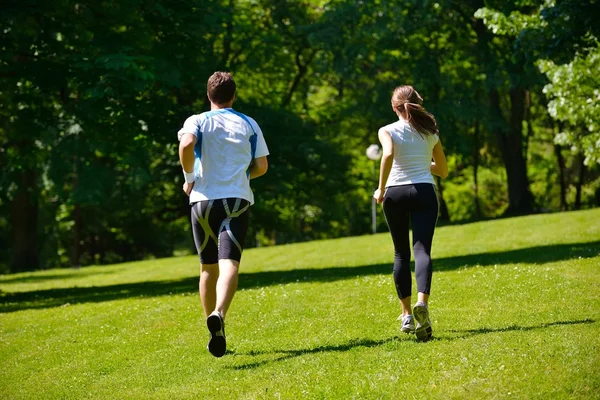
{"type": "Point", "coordinates": [220, 151]}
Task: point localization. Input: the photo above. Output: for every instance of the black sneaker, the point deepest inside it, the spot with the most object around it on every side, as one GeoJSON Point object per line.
{"type": "Point", "coordinates": [423, 330]}
{"type": "Point", "coordinates": [216, 326]}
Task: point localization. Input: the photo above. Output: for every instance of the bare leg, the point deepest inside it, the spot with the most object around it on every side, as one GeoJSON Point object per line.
{"type": "Point", "coordinates": [423, 297]}
{"type": "Point", "coordinates": [209, 275]}
{"type": "Point", "coordinates": [406, 308]}
{"type": "Point", "coordinates": [226, 285]}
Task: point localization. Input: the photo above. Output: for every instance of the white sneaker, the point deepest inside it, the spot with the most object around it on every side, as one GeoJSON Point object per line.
{"type": "Point", "coordinates": [423, 330]}
{"type": "Point", "coordinates": [408, 323]}
{"type": "Point", "coordinates": [216, 326]}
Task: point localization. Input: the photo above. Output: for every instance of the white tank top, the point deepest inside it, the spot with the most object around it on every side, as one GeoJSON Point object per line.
{"type": "Point", "coordinates": [412, 154]}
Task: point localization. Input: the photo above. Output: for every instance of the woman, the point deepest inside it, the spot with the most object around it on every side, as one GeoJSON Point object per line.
{"type": "Point", "coordinates": [406, 174]}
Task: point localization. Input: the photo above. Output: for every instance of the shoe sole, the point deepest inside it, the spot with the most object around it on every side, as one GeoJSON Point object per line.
{"type": "Point", "coordinates": [217, 344]}
{"type": "Point", "coordinates": [423, 331]}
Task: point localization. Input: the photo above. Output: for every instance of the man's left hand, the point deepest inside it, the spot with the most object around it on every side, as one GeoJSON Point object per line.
{"type": "Point", "coordinates": [187, 188]}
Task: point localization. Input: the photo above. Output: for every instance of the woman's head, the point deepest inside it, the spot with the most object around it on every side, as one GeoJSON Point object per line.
{"type": "Point", "coordinates": [407, 103]}
{"type": "Point", "coordinates": [221, 88]}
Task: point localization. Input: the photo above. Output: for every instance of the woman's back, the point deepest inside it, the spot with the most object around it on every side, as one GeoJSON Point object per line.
{"type": "Point", "coordinates": [412, 154]}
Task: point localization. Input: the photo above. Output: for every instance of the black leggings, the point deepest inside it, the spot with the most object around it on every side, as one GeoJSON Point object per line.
{"type": "Point", "coordinates": [419, 204]}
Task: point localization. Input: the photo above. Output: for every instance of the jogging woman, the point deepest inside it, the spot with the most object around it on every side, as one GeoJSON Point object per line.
{"type": "Point", "coordinates": [407, 190]}
{"type": "Point", "coordinates": [220, 151]}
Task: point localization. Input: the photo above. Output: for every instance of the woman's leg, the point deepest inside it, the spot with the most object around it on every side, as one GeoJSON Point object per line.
{"type": "Point", "coordinates": [424, 219]}
{"type": "Point", "coordinates": [397, 217]}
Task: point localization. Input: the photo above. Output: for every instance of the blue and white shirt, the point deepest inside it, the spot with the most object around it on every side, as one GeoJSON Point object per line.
{"type": "Point", "coordinates": [226, 143]}
{"type": "Point", "coordinates": [412, 154]}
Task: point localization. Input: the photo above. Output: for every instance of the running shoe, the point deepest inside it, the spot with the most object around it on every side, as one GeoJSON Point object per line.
{"type": "Point", "coordinates": [216, 326]}
{"type": "Point", "coordinates": [408, 323]}
{"type": "Point", "coordinates": [423, 330]}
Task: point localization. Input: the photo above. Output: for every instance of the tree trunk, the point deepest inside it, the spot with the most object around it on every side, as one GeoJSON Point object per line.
{"type": "Point", "coordinates": [24, 213]}
{"type": "Point", "coordinates": [444, 214]}
{"type": "Point", "coordinates": [561, 176]}
{"type": "Point", "coordinates": [580, 182]}
{"type": "Point", "coordinates": [76, 232]}
{"type": "Point", "coordinates": [527, 123]}
{"type": "Point", "coordinates": [302, 70]}
{"type": "Point", "coordinates": [520, 200]}
{"type": "Point", "coordinates": [475, 169]}
{"type": "Point", "coordinates": [76, 237]}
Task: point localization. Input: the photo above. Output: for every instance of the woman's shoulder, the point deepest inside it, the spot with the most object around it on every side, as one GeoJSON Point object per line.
{"type": "Point", "coordinates": [394, 125]}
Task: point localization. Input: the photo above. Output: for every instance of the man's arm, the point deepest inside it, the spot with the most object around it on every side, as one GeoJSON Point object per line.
{"type": "Point", "coordinates": [259, 167]}
{"type": "Point", "coordinates": [186, 152]}
{"type": "Point", "coordinates": [187, 159]}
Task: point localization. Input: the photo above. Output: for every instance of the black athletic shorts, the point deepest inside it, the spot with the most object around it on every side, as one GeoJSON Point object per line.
{"type": "Point", "coordinates": [219, 228]}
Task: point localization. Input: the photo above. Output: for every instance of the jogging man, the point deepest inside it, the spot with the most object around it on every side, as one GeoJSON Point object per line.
{"type": "Point", "coordinates": [220, 151]}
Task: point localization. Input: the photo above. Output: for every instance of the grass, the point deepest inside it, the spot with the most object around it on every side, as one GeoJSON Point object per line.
{"type": "Point", "coordinates": [515, 307]}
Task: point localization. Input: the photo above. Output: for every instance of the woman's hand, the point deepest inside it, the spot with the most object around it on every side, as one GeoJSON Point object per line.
{"type": "Point", "coordinates": [378, 195]}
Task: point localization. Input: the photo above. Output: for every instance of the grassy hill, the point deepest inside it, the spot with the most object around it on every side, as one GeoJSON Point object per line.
{"type": "Point", "coordinates": [515, 308]}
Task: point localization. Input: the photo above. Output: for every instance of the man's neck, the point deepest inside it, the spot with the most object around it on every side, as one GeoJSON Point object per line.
{"type": "Point", "coordinates": [214, 106]}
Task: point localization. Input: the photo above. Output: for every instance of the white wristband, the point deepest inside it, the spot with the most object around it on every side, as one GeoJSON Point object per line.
{"type": "Point", "coordinates": [189, 177]}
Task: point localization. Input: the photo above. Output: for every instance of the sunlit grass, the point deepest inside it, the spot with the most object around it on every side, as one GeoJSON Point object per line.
{"type": "Point", "coordinates": [515, 306]}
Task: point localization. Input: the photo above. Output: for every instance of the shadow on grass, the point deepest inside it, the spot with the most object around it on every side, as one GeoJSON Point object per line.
{"type": "Point", "coordinates": [37, 278]}
{"type": "Point", "coordinates": [480, 331]}
{"type": "Point", "coordinates": [15, 301]}
{"type": "Point", "coordinates": [287, 354]}
{"type": "Point", "coordinates": [529, 255]}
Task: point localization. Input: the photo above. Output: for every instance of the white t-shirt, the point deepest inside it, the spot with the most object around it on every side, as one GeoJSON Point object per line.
{"type": "Point", "coordinates": [412, 154]}
{"type": "Point", "coordinates": [223, 153]}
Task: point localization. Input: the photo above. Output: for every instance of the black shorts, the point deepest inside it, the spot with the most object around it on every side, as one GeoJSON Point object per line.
{"type": "Point", "coordinates": [219, 228]}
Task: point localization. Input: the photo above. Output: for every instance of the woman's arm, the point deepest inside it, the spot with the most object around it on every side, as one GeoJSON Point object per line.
{"type": "Point", "coordinates": [387, 158]}
{"type": "Point", "coordinates": [439, 166]}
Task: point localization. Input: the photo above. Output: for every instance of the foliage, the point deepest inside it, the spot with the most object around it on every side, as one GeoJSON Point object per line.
{"type": "Point", "coordinates": [459, 194]}
{"type": "Point", "coordinates": [575, 100]}
{"type": "Point", "coordinates": [562, 31]}
{"type": "Point", "coordinates": [92, 93]}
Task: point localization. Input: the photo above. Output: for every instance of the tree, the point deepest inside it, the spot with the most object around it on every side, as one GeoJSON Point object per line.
{"type": "Point", "coordinates": [561, 38]}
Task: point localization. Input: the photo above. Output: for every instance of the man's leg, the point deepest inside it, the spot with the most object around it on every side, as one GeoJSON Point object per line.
{"type": "Point", "coordinates": [209, 275]}
{"type": "Point", "coordinates": [226, 285]}
{"type": "Point", "coordinates": [206, 245]}
{"type": "Point", "coordinates": [232, 234]}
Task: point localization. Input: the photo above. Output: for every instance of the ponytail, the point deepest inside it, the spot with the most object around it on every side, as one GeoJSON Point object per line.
{"type": "Point", "coordinates": [420, 119]}
{"type": "Point", "coordinates": [408, 102]}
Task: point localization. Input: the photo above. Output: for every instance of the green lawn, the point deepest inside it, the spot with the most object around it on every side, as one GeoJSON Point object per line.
{"type": "Point", "coordinates": [515, 308]}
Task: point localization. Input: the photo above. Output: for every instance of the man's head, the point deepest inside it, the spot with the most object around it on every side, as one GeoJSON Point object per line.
{"type": "Point", "coordinates": [220, 88]}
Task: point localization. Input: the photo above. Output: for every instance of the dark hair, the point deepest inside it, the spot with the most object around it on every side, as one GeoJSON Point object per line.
{"type": "Point", "coordinates": [409, 103]}
{"type": "Point", "coordinates": [220, 87]}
